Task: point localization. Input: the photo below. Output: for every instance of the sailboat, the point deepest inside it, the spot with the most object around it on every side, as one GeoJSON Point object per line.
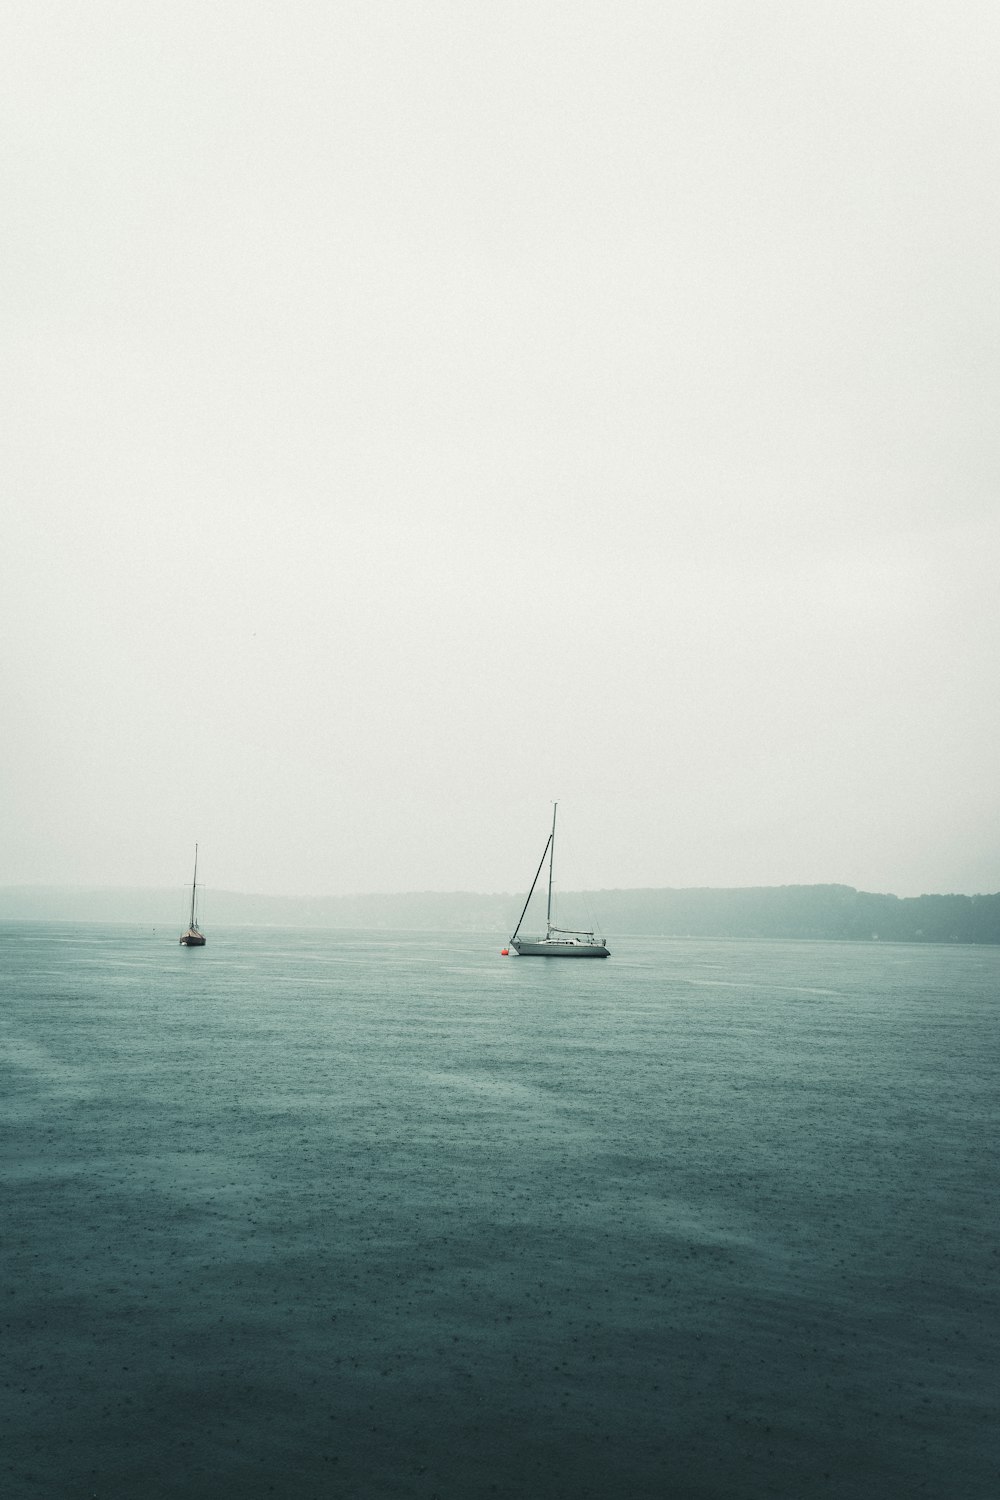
{"type": "Point", "coordinates": [558, 942]}
{"type": "Point", "coordinates": [193, 938]}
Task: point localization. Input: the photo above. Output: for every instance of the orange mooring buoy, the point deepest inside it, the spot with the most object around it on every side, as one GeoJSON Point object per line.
{"type": "Point", "coordinates": [505, 952]}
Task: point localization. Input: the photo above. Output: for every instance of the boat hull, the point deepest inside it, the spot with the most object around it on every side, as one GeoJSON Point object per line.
{"type": "Point", "coordinates": [193, 938]}
{"type": "Point", "coordinates": [556, 949]}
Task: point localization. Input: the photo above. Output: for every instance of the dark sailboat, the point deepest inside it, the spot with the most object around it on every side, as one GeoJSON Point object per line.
{"type": "Point", "coordinates": [193, 938]}
{"type": "Point", "coordinates": [558, 942]}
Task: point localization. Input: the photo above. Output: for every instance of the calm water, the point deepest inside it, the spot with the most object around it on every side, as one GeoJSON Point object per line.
{"type": "Point", "coordinates": [339, 1214]}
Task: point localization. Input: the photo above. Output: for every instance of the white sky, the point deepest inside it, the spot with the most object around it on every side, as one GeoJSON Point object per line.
{"type": "Point", "coordinates": [416, 412]}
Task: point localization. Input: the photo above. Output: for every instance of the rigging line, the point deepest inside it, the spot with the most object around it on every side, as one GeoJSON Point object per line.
{"type": "Point", "coordinates": [532, 891]}
{"type": "Point", "coordinates": [590, 912]}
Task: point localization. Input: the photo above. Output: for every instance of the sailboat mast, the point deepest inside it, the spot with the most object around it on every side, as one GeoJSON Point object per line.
{"type": "Point", "coordinates": [194, 883]}
{"type": "Point", "coordinates": [552, 855]}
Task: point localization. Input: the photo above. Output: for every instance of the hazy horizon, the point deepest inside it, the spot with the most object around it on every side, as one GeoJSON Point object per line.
{"type": "Point", "coordinates": [419, 414]}
{"type": "Point", "coordinates": [511, 894]}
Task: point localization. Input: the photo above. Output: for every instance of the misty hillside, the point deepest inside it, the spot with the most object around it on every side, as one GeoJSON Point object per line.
{"type": "Point", "coordinates": [792, 911]}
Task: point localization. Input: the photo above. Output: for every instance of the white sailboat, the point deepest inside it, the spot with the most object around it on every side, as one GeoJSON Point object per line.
{"type": "Point", "coordinates": [193, 938]}
{"type": "Point", "coordinates": [558, 942]}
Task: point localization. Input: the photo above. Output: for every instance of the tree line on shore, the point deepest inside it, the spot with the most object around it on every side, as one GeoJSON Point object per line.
{"type": "Point", "coordinates": [789, 911]}
{"type": "Point", "coordinates": [804, 911]}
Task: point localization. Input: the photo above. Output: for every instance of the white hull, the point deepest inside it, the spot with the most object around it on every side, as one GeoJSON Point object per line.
{"type": "Point", "coordinates": [556, 948]}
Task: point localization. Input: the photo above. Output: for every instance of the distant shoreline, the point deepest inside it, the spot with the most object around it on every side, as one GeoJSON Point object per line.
{"type": "Point", "coordinates": [793, 911]}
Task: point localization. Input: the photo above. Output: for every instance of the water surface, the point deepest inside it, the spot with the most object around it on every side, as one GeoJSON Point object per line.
{"type": "Point", "coordinates": [321, 1214]}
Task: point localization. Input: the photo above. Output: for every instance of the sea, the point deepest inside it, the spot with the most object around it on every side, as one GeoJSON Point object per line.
{"type": "Point", "coordinates": [388, 1214]}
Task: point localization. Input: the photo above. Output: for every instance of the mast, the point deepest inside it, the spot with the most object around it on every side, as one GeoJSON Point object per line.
{"type": "Point", "coordinates": [552, 855]}
{"type": "Point", "coordinates": [194, 883]}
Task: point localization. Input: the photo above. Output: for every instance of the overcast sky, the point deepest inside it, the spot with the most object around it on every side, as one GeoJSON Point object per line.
{"type": "Point", "coordinates": [414, 413]}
